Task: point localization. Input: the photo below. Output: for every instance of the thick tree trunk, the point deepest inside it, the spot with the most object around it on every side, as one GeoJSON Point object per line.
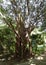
{"type": "Point", "coordinates": [21, 51]}
{"type": "Point", "coordinates": [18, 48]}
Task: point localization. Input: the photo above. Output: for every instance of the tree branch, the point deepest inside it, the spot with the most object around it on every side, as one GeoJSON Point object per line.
{"type": "Point", "coordinates": [28, 7]}
{"type": "Point", "coordinates": [11, 26]}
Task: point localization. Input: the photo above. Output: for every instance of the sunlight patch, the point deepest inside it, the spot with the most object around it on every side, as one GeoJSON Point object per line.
{"type": "Point", "coordinates": [32, 64]}
{"type": "Point", "coordinates": [39, 58]}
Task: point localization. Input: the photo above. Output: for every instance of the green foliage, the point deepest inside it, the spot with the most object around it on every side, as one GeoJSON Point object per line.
{"type": "Point", "coordinates": [37, 40]}
{"type": "Point", "coordinates": [7, 39]}
{"type": "Point", "coordinates": [1, 1]}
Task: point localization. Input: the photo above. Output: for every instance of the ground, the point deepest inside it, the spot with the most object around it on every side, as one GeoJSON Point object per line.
{"type": "Point", "coordinates": [40, 60]}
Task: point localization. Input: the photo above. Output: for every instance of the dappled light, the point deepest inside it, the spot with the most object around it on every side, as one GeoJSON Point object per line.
{"type": "Point", "coordinates": [39, 58]}
{"type": "Point", "coordinates": [22, 32]}
{"type": "Point", "coordinates": [32, 64]}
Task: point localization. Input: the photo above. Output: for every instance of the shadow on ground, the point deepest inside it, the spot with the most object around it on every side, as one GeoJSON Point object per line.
{"type": "Point", "coordinates": [40, 60]}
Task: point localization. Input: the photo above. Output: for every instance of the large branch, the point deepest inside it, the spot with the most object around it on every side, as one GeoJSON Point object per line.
{"type": "Point", "coordinates": [15, 7]}
{"type": "Point", "coordinates": [11, 26]}
{"type": "Point", "coordinates": [30, 28]}
{"type": "Point", "coordinates": [28, 7]}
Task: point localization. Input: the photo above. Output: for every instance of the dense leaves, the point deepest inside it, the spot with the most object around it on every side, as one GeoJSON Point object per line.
{"type": "Point", "coordinates": [37, 41]}
{"type": "Point", "coordinates": [7, 40]}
